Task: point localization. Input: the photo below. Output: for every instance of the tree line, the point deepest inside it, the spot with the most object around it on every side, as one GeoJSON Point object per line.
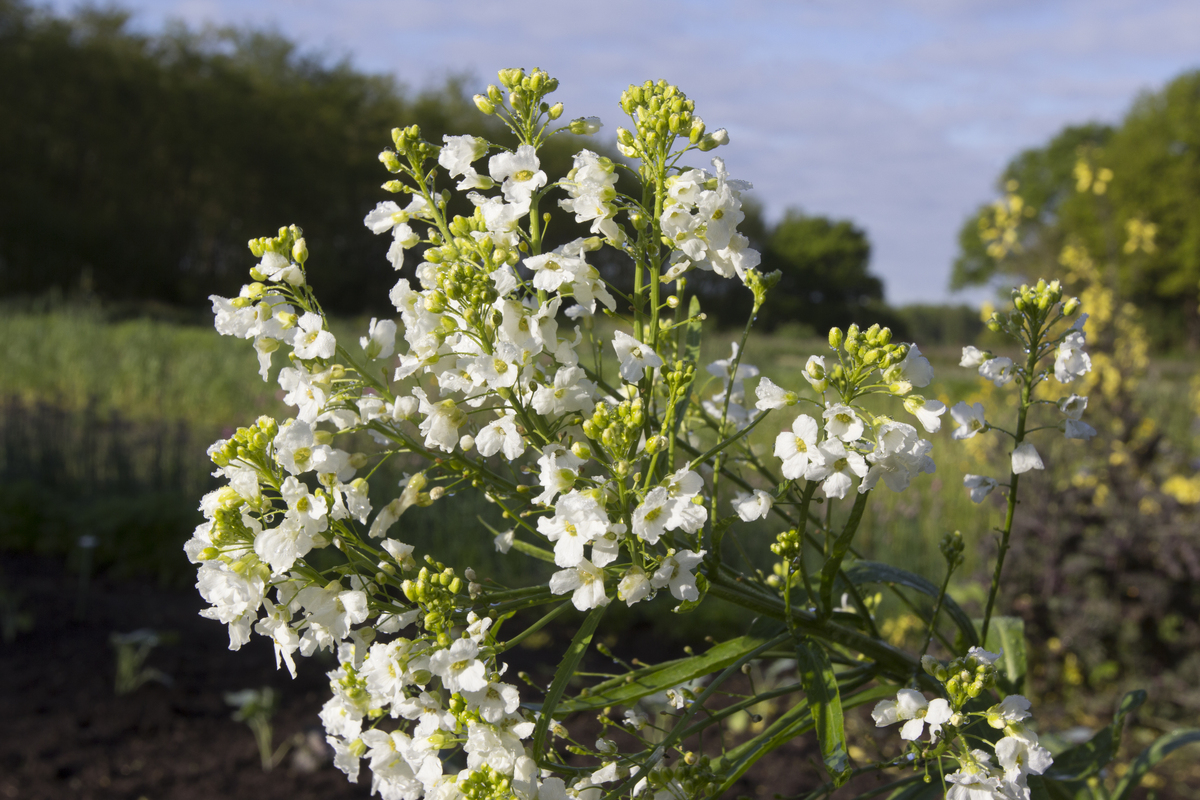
{"type": "Point", "coordinates": [137, 166]}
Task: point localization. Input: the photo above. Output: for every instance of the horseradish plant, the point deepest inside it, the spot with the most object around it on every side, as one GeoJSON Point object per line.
{"type": "Point", "coordinates": [611, 458]}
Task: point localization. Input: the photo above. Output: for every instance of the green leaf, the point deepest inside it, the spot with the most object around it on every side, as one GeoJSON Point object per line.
{"type": "Point", "coordinates": [628, 688]}
{"type": "Point", "coordinates": [692, 605]}
{"type": "Point", "coordinates": [797, 720]}
{"type": "Point", "coordinates": [1087, 759]}
{"type": "Point", "coordinates": [1006, 635]}
{"type": "Point", "coordinates": [821, 688]}
{"type": "Point", "coordinates": [566, 671]}
{"type": "Point", "coordinates": [1163, 746]}
{"type": "Point", "coordinates": [875, 572]}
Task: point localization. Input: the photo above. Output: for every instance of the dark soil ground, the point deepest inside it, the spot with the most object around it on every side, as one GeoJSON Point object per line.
{"type": "Point", "coordinates": [64, 732]}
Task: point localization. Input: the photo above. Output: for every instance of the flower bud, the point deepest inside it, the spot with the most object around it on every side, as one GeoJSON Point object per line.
{"type": "Point", "coordinates": [835, 338]}
{"type": "Point", "coordinates": [484, 105]}
{"type": "Point", "coordinates": [300, 251]}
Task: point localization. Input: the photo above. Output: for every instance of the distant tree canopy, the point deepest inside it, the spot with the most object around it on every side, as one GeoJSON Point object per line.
{"type": "Point", "coordinates": [139, 166]}
{"type": "Point", "coordinates": [1154, 156]}
{"type": "Point", "coordinates": [143, 164]}
{"type": "Point", "coordinates": [825, 277]}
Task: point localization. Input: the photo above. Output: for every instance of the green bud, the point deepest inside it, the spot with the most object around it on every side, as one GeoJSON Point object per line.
{"type": "Point", "coordinates": [300, 251]}
{"type": "Point", "coordinates": [556, 111]}
{"type": "Point", "coordinates": [835, 338]}
{"type": "Point", "coordinates": [484, 105]}
{"type": "Point", "coordinates": [1071, 306]}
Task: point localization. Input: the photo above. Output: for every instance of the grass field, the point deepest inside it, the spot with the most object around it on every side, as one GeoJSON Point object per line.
{"type": "Point", "coordinates": [144, 373]}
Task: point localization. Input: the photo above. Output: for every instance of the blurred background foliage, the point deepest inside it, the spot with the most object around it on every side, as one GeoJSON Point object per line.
{"type": "Point", "coordinates": [136, 166]}
{"type": "Point", "coordinates": [1151, 160]}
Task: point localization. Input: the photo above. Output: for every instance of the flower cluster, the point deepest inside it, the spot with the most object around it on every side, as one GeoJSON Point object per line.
{"type": "Point", "coordinates": [948, 724]}
{"type": "Point", "coordinates": [602, 444]}
{"type": "Point", "coordinates": [1034, 323]}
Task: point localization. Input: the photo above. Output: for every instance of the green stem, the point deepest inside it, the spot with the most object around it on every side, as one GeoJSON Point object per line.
{"type": "Point", "coordinates": [1014, 478]}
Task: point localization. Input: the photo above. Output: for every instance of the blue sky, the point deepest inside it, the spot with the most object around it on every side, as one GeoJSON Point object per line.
{"type": "Point", "coordinates": [897, 114]}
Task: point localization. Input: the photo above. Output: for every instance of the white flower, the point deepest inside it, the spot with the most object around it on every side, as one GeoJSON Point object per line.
{"type": "Point", "coordinates": [281, 546]}
{"type": "Point", "coordinates": [972, 784]}
{"type": "Point", "coordinates": [916, 368]}
{"type": "Point", "coordinates": [814, 373]}
{"type": "Point", "coordinates": [1078, 429]}
{"type": "Point", "coordinates": [559, 469]}
{"type": "Point", "coordinates": [984, 656]}
{"type": "Point", "coordinates": [500, 434]}
{"type": "Point", "coordinates": [898, 456]}
{"type": "Point", "coordinates": [571, 391]}
{"type": "Point", "coordinates": [578, 520]}
{"type": "Point", "coordinates": [997, 370]}
{"type": "Point", "coordinates": [1071, 361]}
{"type": "Point", "coordinates": [494, 701]}
{"type": "Point", "coordinates": [457, 155]}
{"type": "Point", "coordinates": [235, 599]}
{"type": "Point", "coordinates": [441, 423]}
{"type": "Point", "coordinates": [1020, 758]}
{"type": "Point", "coordinates": [1025, 458]}
{"type": "Point", "coordinates": [973, 356]}
{"type": "Point", "coordinates": [1013, 708]}
{"type": "Point", "coordinates": [676, 571]}
{"type": "Point", "coordinates": [721, 369]}
{"type": "Point", "coordinates": [503, 542]}
{"type": "Point", "coordinates": [843, 422]}
{"type": "Point", "coordinates": [912, 706]}
{"type": "Point", "coordinates": [381, 218]}
{"type": "Point", "coordinates": [753, 505]}
{"type": "Point", "coordinates": [798, 447]}
{"type": "Point", "coordinates": [380, 341]}
{"type": "Point", "coordinates": [980, 486]}
{"type": "Point", "coordinates": [838, 468]}
{"type": "Point", "coordinates": [634, 586]}
{"type": "Point", "coordinates": [312, 340]}
{"type": "Point", "coordinates": [459, 668]}
{"type": "Point", "coordinates": [586, 581]}
{"type": "Point", "coordinates": [1072, 408]}
{"type": "Point", "coordinates": [969, 418]}
{"type": "Point", "coordinates": [771, 396]}
{"type": "Point", "coordinates": [519, 173]}
{"type": "Point", "coordinates": [928, 412]}
{"type": "Point", "coordinates": [636, 358]}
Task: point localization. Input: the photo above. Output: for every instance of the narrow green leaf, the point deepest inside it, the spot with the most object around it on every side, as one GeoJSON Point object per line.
{"type": "Point", "coordinates": [1006, 635]}
{"type": "Point", "coordinates": [633, 686]}
{"type": "Point", "coordinates": [797, 720]}
{"type": "Point", "coordinates": [1087, 759]}
{"type": "Point", "coordinates": [566, 670]}
{"type": "Point", "coordinates": [820, 685]}
{"type": "Point", "coordinates": [1163, 746]}
{"type": "Point", "coordinates": [875, 572]}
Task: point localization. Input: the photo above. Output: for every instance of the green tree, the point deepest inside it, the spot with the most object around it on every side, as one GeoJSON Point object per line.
{"type": "Point", "coordinates": [142, 164]}
{"type": "Point", "coordinates": [826, 280]}
{"type": "Point", "coordinates": [1152, 165]}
